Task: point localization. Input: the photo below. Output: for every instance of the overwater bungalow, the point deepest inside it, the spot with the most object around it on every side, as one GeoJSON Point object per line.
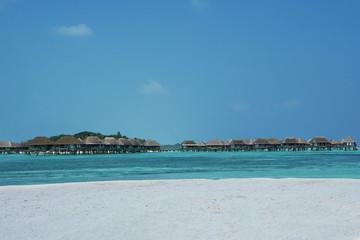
{"type": "Point", "coordinates": [249, 144]}
{"type": "Point", "coordinates": [131, 144]}
{"type": "Point", "coordinates": [227, 145]}
{"type": "Point", "coordinates": [262, 144]}
{"type": "Point", "coordinates": [152, 145]}
{"type": "Point", "coordinates": [134, 145]}
{"type": "Point", "coordinates": [14, 146]}
{"type": "Point", "coordinates": [111, 144]}
{"type": "Point", "coordinates": [40, 144]}
{"type": "Point", "coordinates": [201, 146]}
{"type": "Point", "coordinates": [320, 143]}
{"type": "Point", "coordinates": [335, 145]}
{"type": "Point", "coordinates": [123, 143]}
{"type": "Point", "coordinates": [275, 144]}
{"type": "Point", "coordinates": [5, 147]}
{"type": "Point", "coordinates": [138, 144]}
{"type": "Point", "coordinates": [303, 144]}
{"type": "Point", "coordinates": [189, 145]}
{"type": "Point", "coordinates": [214, 145]}
{"type": "Point", "coordinates": [93, 144]}
{"type": "Point", "coordinates": [22, 146]}
{"type": "Point", "coordinates": [238, 144]}
{"type": "Point", "coordinates": [349, 143]}
{"type": "Point", "coordinates": [294, 144]}
{"type": "Point", "coordinates": [68, 144]}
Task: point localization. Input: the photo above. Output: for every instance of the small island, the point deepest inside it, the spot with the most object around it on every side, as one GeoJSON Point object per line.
{"type": "Point", "coordinates": [80, 143]}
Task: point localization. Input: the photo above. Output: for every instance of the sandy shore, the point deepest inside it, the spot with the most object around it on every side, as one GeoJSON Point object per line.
{"type": "Point", "coordinates": [183, 209]}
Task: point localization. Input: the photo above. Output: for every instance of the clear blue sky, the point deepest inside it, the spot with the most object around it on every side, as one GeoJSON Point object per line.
{"type": "Point", "coordinates": [175, 70]}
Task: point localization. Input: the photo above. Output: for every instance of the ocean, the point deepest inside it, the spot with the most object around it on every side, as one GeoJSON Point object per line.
{"type": "Point", "coordinates": [45, 169]}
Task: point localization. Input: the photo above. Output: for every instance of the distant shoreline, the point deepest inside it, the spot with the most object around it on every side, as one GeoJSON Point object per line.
{"type": "Point", "coordinates": [68, 144]}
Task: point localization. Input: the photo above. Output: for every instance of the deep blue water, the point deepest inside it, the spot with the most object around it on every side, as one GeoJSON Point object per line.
{"type": "Point", "coordinates": [25, 169]}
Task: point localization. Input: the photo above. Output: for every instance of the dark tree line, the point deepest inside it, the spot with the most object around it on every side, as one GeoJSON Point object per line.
{"type": "Point", "coordinates": [85, 134]}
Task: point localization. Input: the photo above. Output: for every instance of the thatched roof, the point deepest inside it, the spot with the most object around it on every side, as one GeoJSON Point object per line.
{"type": "Point", "coordinates": [227, 142]}
{"type": "Point", "coordinates": [151, 143]}
{"type": "Point", "coordinates": [301, 141]}
{"type": "Point", "coordinates": [274, 141]}
{"type": "Point", "coordinates": [122, 142]}
{"type": "Point", "coordinates": [249, 141]}
{"type": "Point", "coordinates": [333, 141]}
{"type": "Point", "coordinates": [237, 141]}
{"type": "Point", "coordinates": [320, 139]}
{"type": "Point", "coordinates": [201, 144]}
{"type": "Point", "coordinates": [22, 144]}
{"type": "Point", "coordinates": [139, 142]}
{"type": "Point", "coordinates": [214, 142]}
{"type": "Point", "coordinates": [5, 144]}
{"type": "Point", "coordinates": [68, 140]}
{"type": "Point", "coordinates": [110, 141]}
{"type": "Point", "coordinates": [40, 141]}
{"type": "Point", "coordinates": [14, 144]}
{"type": "Point", "coordinates": [92, 140]}
{"type": "Point", "coordinates": [341, 141]}
{"type": "Point", "coordinates": [290, 140]}
{"type": "Point", "coordinates": [349, 140]}
{"type": "Point", "coordinates": [133, 142]}
{"type": "Point", "coordinates": [261, 141]}
{"type": "Point", "coordinates": [188, 143]}
{"type": "Point", "coordinates": [80, 140]}
{"type": "Point", "coordinates": [296, 140]}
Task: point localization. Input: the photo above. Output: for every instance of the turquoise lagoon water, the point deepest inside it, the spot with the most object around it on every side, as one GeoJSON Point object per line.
{"type": "Point", "coordinates": [25, 169]}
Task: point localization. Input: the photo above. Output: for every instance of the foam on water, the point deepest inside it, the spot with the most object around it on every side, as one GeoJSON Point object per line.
{"type": "Point", "coordinates": [25, 169]}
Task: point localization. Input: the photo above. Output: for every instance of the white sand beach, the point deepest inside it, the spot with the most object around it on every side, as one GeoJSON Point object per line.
{"type": "Point", "coordinates": [183, 209]}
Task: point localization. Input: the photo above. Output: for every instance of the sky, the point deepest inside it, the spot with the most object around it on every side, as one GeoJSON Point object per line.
{"type": "Point", "coordinates": [176, 70]}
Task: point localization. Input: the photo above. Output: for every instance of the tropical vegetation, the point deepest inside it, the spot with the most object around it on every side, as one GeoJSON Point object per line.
{"type": "Point", "coordinates": [85, 134]}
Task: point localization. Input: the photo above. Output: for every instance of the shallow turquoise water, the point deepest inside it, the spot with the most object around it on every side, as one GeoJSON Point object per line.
{"type": "Point", "coordinates": [25, 169]}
